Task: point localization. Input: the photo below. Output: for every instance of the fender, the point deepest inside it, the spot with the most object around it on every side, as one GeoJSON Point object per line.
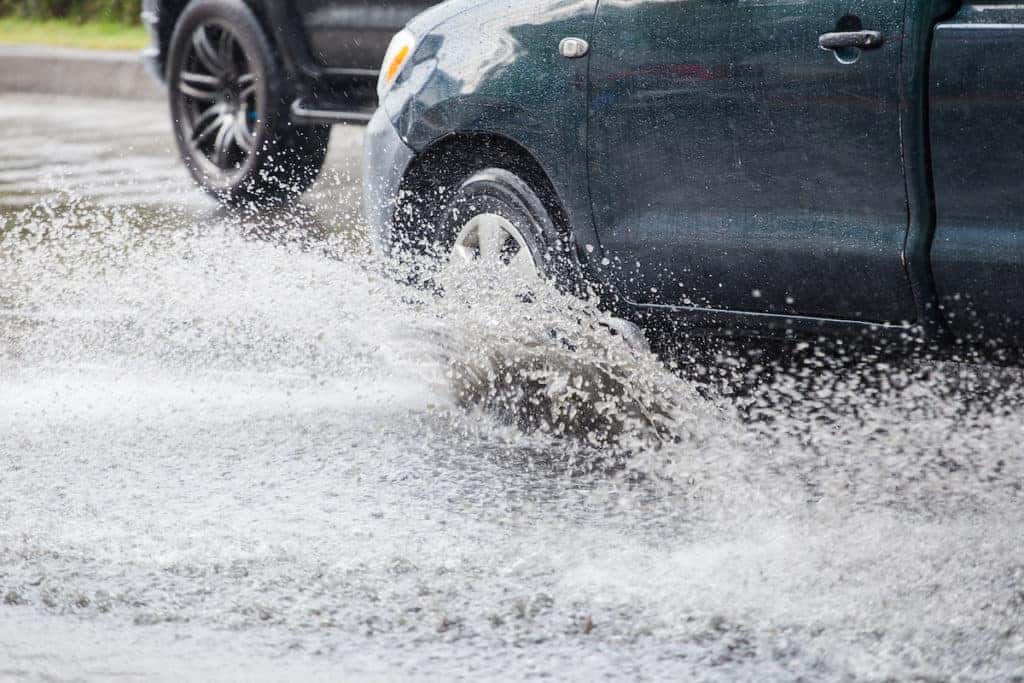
{"type": "Point", "coordinates": [532, 97]}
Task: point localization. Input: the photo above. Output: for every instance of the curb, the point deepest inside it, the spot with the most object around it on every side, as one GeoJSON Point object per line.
{"type": "Point", "coordinates": [64, 71]}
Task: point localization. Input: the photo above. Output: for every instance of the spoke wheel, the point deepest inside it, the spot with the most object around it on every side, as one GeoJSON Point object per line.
{"type": "Point", "coordinates": [510, 236]}
{"type": "Point", "coordinates": [219, 97]}
{"type": "Point", "coordinates": [230, 95]}
{"type": "Point", "coordinates": [492, 241]}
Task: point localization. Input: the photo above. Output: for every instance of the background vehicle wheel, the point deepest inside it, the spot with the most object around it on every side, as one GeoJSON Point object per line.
{"type": "Point", "coordinates": [229, 106]}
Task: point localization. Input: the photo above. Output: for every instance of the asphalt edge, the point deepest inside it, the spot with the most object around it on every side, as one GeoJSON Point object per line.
{"type": "Point", "coordinates": [83, 73]}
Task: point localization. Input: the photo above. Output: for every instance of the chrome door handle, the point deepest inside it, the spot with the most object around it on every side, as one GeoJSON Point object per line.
{"type": "Point", "coordinates": [865, 40]}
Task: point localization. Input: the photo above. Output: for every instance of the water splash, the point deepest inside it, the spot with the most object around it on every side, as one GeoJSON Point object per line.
{"type": "Point", "coordinates": [220, 423]}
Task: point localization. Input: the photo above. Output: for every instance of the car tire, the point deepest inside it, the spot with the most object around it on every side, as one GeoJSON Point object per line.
{"type": "Point", "coordinates": [229, 102]}
{"type": "Point", "coordinates": [511, 203]}
{"type": "Point", "coordinates": [501, 193]}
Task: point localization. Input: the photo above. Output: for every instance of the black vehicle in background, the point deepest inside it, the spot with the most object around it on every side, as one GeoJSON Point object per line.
{"type": "Point", "coordinates": [255, 85]}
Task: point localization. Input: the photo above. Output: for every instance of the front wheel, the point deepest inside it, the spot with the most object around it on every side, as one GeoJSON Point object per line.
{"type": "Point", "coordinates": [229, 104]}
{"type": "Point", "coordinates": [494, 217]}
{"type": "Point", "coordinates": [495, 220]}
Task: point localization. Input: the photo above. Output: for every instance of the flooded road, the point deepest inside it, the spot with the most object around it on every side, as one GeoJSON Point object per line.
{"type": "Point", "coordinates": [230, 448]}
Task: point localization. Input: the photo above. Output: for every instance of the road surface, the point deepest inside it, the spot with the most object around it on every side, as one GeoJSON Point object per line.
{"type": "Point", "coordinates": [231, 449]}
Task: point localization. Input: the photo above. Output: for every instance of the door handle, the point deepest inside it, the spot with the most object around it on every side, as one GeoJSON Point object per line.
{"type": "Point", "coordinates": [865, 40]}
{"type": "Point", "coordinates": [573, 48]}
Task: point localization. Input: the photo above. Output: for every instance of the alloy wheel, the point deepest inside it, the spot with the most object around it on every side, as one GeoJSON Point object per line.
{"type": "Point", "coordinates": [494, 242]}
{"type": "Point", "coordinates": [219, 98]}
{"type": "Point", "coordinates": [491, 240]}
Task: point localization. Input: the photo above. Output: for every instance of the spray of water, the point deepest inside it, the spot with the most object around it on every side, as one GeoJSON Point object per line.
{"type": "Point", "coordinates": [227, 422]}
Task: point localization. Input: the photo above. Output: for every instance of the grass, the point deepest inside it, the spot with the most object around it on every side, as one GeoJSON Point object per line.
{"type": "Point", "coordinates": [93, 35]}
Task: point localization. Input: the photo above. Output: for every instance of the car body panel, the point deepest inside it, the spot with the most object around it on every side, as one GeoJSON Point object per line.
{"type": "Point", "coordinates": [384, 165]}
{"type": "Point", "coordinates": [509, 80]}
{"type": "Point", "coordinates": [811, 179]}
{"type": "Point", "coordinates": [977, 150]}
{"type": "Point", "coordinates": [736, 165]}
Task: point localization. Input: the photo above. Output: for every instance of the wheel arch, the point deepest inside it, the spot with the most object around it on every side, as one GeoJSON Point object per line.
{"type": "Point", "coordinates": [444, 163]}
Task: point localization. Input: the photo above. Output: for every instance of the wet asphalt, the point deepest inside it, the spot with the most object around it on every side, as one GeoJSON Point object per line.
{"type": "Point", "coordinates": [230, 449]}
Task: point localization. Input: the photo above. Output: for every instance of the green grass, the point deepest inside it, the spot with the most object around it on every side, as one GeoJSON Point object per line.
{"type": "Point", "coordinates": [93, 35]}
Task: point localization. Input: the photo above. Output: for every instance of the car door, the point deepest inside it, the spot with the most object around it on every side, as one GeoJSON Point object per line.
{"type": "Point", "coordinates": [735, 164]}
{"type": "Point", "coordinates": [976, 102]}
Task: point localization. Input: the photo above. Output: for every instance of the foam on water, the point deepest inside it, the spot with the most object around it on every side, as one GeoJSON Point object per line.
{"type": "Point", "coordinates": [208, 426]}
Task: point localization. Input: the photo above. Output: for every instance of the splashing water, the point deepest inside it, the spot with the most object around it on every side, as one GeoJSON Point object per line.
{"type": "Point", "coordinates": [211, 428]}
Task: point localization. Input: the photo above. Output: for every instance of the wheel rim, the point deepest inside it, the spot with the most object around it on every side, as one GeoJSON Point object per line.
{"type": "Point", "coordinates": [490, 240]}
{"type": "Point", "coordinates": [494, 242]}
{"type": "Point", "coordinates": [218, 97]}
